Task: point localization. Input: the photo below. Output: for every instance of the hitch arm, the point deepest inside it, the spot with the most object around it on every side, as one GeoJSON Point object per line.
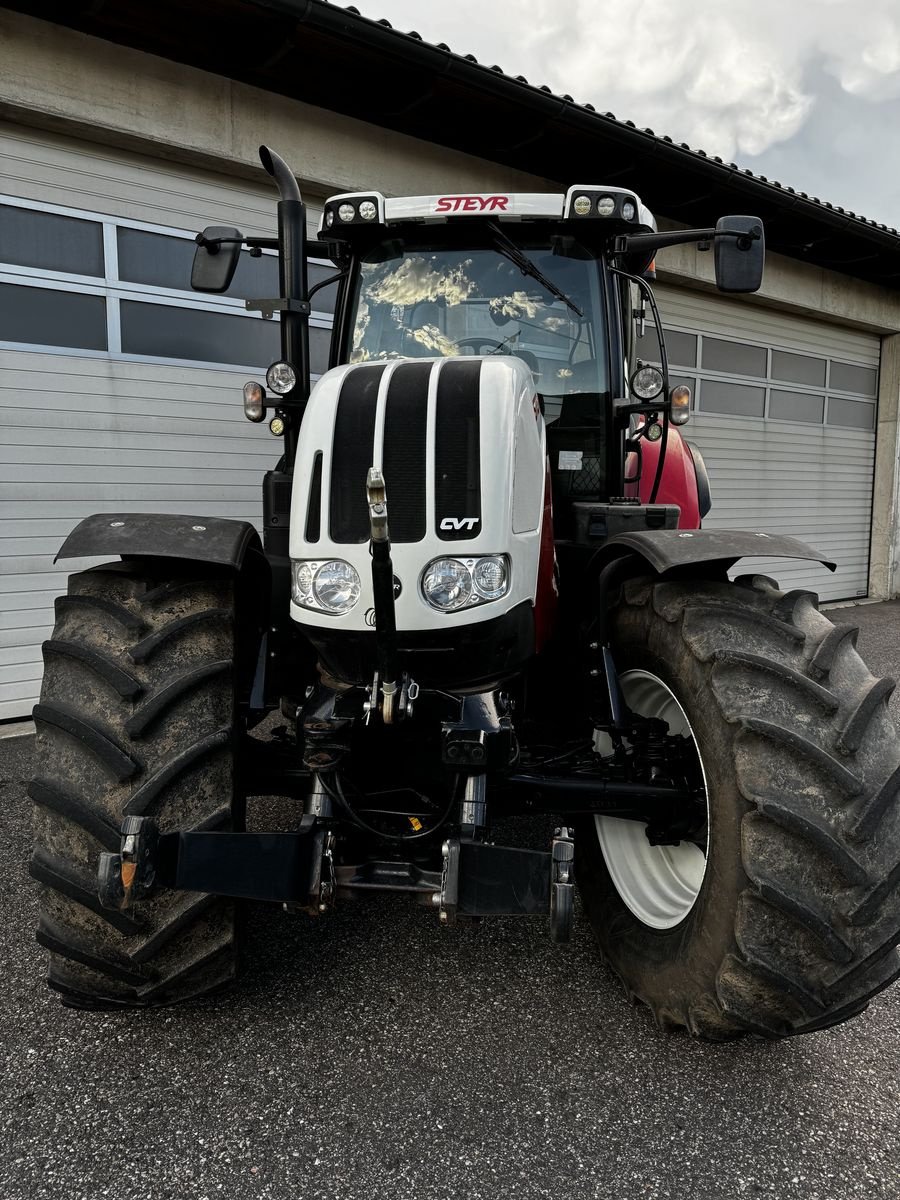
{"type": "Point", "coordinates": [248, 866]}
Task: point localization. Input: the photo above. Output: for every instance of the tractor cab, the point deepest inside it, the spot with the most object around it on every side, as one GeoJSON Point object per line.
{"type": "Point", "coordinates": [500, 277]}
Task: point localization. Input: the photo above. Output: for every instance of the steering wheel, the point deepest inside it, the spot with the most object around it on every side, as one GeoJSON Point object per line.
{"type": "Point", "coordinates": [478, 342]}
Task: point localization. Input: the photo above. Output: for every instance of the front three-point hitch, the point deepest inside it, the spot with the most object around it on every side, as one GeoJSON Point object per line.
{"type": "Point", "coordinates": [298, 870]}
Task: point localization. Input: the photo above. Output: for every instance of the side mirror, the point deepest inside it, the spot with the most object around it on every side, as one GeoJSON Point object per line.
{"type": "Point", "coordinates": [739, 259]}
{"type": "Point", "coordinates": [215, 260]}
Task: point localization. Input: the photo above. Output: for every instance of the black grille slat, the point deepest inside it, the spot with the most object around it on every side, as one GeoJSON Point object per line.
{"type": "Point", "coordinates": [403, 459]}
{"type": "Point", "coordinates": [457, 451]}
{"type": "Point", "coordinates": [352, 454]}
{"type": "Point", "coordinates": [314, 511]}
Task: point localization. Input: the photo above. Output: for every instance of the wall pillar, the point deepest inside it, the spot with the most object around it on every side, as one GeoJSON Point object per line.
{"type": "Point", "coordinates": [884, 563]}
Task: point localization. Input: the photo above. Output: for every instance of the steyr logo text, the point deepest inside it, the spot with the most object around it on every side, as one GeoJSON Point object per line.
{"type": "Point", "coordinates": [472, 204]}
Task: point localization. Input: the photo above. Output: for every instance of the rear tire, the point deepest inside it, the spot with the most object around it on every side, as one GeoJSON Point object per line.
{"type": "Point", "coordinates": [136, 716]}
{"type": "Point", "coordinates": [797, 918]}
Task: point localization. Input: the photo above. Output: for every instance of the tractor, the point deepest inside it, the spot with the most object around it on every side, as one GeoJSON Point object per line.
{"type": "Point", "coordinates": [483, 595]}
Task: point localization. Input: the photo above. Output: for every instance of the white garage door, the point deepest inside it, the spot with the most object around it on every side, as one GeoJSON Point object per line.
{"type": "Point", "coordinates": [120, 389]}
{"type": "Point", "coordinates": [784, 413]}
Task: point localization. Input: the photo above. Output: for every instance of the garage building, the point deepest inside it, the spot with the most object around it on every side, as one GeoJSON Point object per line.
{"type": "Point", "coordinates": [124, 129]}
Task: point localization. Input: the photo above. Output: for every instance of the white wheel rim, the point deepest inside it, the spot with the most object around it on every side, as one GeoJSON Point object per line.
{"type": "Point", "coordinates": [659, 884]}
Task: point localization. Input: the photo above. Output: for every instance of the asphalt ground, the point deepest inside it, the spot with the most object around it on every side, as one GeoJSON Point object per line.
{"type": "Point", "coordinates": [374, 1055]}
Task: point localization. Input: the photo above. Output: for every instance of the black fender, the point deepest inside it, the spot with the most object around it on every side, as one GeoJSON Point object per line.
{"type": "Point", "coordinates": [163, 535]}
{"type": "Point", "coordinates": [669, 549]}
{"type": "Point", "coordinates": [704, 495]}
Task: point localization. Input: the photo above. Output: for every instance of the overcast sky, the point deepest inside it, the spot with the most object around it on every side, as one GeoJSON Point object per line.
{"type": "Point", "coordinates": [803, 91]}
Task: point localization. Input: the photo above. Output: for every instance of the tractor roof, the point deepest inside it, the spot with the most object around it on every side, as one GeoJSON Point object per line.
{"type": "Point", "coordinates": [620, 208]}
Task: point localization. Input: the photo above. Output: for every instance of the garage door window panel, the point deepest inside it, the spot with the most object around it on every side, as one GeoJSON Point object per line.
{"type": "Point", "coordinates": [52, 317]}
{"type": "Point", "coordinates": [734, 358]}
{"type": "Point", "coordinates": [796, 406]}
{"type": "Point", "coordinates": [798, 368]}
{"type": "Point", "coordinates": [733, 399]}
{"type": "Point", "coordinates": [681, 348]}
{"type": "Point", "coordinates": [851, 414]}
{"type": "Point", "coordinates": [846, 377]}
{"type": "Point", "coordinates": [166, 331]}
{"type": "Point", "coordinates": [50, 242]}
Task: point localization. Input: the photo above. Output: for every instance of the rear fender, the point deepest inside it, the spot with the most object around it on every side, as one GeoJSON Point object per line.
{"type": "Point", "coordinates": [679, 478]}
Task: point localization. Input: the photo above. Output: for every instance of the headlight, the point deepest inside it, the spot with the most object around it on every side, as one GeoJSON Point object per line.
{"type": "Point", "coordinates": [281, 378]}
{"type": "Point", "coordinates": [606, 206]}
{"type": "Point", "coordinates": [647, 383]}
{"type": "Point", "coordinates": [450, 584]}
{"type": "Point", "coordinates": [628, 210]}
{"type": "Point", "coordinates": [447, 584]}
{"type": "Point", "coordinates": [346, 212]}
{"type": "Point", "coordinates": [368, 211]}
{"type": "Point", "coordinates": [490, 577]}
{"type": "Point", "coordinates": [331, 586]}
{"type": "Point", "coordinates": [336, 586]}
{"type": "Point", "coordinates": [582, 205]}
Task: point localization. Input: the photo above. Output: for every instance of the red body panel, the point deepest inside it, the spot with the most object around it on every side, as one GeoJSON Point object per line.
{"type": "Point", "coordinates": [679, 479]}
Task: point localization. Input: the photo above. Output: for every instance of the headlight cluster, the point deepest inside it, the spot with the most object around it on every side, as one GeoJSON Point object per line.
{"type": "Point", "coordinates": [351, 210]}
{"type": "Point", "coordinates": [330, 587]}
{"type": "Point", "coordinates": [603, 204]}
{"type": "Point", "coordinates": [449, 584]}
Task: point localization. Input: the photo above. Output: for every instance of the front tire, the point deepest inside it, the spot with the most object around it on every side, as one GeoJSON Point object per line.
{"type": "Point", "coordinates": [795, 919]}
{"type": "Point", "coordinates": [137, 716]}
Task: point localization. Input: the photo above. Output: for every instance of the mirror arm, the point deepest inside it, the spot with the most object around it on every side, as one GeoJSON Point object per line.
{"type": "Point", "coordinates": [627, 243]}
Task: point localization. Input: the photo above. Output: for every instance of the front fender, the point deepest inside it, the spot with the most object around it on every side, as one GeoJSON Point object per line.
{"type": "Point", "coordinates": [667, 549]}
{"type": "Point", "coordinates": [163, 535]}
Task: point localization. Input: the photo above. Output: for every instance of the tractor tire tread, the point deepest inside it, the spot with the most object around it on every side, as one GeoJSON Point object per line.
{"type": "Point", "coordinates": [137, 716]}
{"type": "Point", "coordinates": [818, 924]}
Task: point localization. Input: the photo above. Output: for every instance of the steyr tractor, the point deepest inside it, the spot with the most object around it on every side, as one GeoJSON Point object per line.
{"type": "Point", "coordinates": [484, 594]}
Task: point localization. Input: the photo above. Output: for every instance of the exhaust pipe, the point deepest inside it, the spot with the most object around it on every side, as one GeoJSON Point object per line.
{"type": "Point", "coordinates": [275, 165]}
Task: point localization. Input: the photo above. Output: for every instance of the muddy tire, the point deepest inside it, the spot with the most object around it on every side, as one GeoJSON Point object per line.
{"type": "Point", "coordinates": [796, 921]}
{"type": "Point", "coordinates": [136, 716]}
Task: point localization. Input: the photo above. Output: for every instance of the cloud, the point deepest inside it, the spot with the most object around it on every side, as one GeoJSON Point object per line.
{"type": "Point", "coordinates": [736, 78]}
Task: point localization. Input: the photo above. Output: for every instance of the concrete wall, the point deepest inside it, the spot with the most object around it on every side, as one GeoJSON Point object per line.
{"type": "Point", "coordinates": [67, 81]}
{"type": "Point", "coordinates": [56, 79]}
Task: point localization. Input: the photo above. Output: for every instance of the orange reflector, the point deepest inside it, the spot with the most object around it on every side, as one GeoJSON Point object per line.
{"type": "Point", "coordinates": [416, 823]}
{"type": "Point", "coordinates": [680, 404]}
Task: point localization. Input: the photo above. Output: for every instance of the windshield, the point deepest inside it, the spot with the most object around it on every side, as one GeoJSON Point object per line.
{"type": "Point", "coordinates": [424, 303]}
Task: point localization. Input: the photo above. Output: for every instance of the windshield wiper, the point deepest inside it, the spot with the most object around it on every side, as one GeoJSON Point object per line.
{"type": "Point", "coordinates": [510, 250]}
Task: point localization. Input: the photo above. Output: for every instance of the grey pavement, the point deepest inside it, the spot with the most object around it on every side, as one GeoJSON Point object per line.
{"type": "Point", "coordinates": [373, 1054]}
